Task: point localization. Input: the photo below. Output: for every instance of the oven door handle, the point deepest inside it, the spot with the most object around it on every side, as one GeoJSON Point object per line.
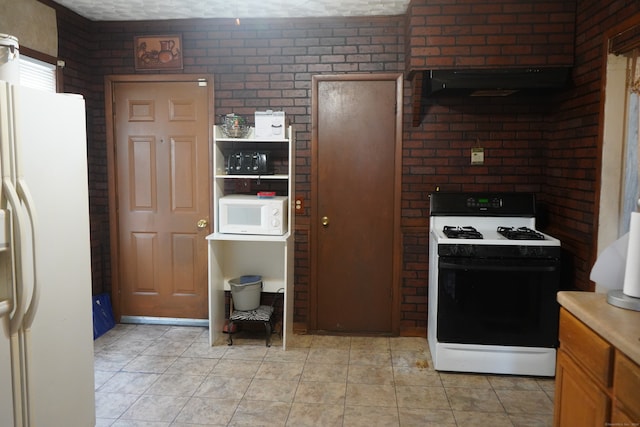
{"type": "Point", "coordinates": [498, 267]}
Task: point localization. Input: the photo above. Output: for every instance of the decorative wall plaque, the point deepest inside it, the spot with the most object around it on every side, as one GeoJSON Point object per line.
{"type": "Point", "coordinates": [158, 52]}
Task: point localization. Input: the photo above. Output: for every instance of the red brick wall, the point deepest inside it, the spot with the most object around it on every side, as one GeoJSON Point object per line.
{"type": "Point", "coordinates": [572, 155]}
{"type": "Point", "coordinates": [480, 34]}
{"type": "Point", "coordinates": [75, 47]}
{"type": "Point", "coordinates": [546, 143]}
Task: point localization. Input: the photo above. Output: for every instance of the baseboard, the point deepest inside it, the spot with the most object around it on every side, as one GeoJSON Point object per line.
{"type": "Point", "coordinates": [414, 332]}
{"type": "Point", "coordinates": [172, 321]}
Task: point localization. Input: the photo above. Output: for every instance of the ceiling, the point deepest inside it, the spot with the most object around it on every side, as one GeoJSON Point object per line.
{"type": "Point", "coordinates": [136, 10]}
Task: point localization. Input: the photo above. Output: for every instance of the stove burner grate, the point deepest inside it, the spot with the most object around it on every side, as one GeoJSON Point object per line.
{"type": "Point", "coordinates": [464, 232]}
{"type": "Point", "coordinates": [520, 233]}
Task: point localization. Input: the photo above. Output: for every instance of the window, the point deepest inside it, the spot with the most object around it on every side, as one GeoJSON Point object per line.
{"type": "Point", "coordinates": [630, 186]}
{"type": "Point", "coordinates": [620, 180]}
{"type": "Point", "coordinates": [620, 171]}
{"type": "Point", "coordinates": [37, 74]}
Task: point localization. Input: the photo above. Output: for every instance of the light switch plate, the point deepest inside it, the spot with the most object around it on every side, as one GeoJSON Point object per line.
{"type": "Point", "coordinates": [477, 156]}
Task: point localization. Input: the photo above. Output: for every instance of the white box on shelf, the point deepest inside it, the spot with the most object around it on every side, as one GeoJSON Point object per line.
{"type": "Point", "coordinates": [269, 125]}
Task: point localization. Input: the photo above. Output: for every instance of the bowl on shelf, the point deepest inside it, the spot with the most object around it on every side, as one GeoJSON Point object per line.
{"type": "Point", "coordinates": [235, 126]}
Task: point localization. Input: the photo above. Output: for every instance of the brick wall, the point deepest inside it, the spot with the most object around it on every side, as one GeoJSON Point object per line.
{"type": "Point", "coordinates": [572, 155]}
{"type": "Point", "coordinates": [480, 34]}
{"type": "Point", "coordinates": [75, 47]}
{"type": "Point", "coordinates": [545, 143]}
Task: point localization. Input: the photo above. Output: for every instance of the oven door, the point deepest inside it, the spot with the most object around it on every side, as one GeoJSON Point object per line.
{"type": "Point", "coordinates": [497, 301]}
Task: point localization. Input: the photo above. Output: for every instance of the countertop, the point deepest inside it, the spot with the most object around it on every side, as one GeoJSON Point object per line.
{"type": "Point", "coordinates": [619, 326]}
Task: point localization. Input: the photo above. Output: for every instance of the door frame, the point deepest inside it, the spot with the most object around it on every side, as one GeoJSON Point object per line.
{"type": "Point", "coordinates": [109, 82]}
{"type": "Point", "coordinates": [315, 215]}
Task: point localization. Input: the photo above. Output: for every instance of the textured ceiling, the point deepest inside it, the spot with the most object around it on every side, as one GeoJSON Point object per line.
{"type": "Point", "coordinates": [135, 10]}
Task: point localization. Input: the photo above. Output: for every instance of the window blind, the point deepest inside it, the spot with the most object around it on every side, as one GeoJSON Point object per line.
{"type": "Point", "coordinates": [37, 74]}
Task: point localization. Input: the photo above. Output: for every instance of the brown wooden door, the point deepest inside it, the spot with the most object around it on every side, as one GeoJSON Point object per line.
{"type": "Point", "coordinates": [356, 158]}
{"type": "Point", "coordinates": [161, 145]}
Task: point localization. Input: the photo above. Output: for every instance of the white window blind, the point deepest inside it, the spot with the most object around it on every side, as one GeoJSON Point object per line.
{"type": "Point", "coordinates": [37, 74]}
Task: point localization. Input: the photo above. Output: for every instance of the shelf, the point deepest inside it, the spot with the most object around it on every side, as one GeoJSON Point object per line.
{"type": "Point", "coordinates": [272, 176]}
{"type": "Point", "coordinates": [234, 255]}
{"type": "Point", "coordinates": [249, 237]}
{"type": "Point", "coordinates": [220, 137]}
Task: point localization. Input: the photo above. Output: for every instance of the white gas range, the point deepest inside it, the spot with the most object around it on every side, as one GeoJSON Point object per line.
{"type": "Point", "coordinates": [493, 280]}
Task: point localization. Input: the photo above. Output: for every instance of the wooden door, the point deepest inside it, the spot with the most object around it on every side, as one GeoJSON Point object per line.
{"type": "Point", "coordinates": [356, 146]}
{"type": "Point", "coordinates": [162, 197]}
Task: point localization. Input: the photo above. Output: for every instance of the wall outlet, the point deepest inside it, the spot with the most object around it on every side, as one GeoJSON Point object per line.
{"type": "Point", "coordinates": [243, 185]}
{"type": "Point", "coordinates": [298, 207]}
{"type": "Point", "coordinates": [477, 156]}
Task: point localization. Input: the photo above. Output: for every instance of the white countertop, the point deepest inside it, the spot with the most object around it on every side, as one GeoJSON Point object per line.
{"type": "Point", "coordinates": [618, 326]}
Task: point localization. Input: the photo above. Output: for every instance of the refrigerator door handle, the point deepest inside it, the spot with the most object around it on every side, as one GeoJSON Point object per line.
{"type": "Point", "coordinates": [5, 307]}
{"type": "Point", "coordinates": [25, 196]}
{"type": "Point", "coordinates": [19, 232]}
{"type": "Point", "coordinates": [29, 215]}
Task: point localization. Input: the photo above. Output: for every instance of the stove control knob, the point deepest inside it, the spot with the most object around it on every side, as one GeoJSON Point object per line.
{"type": "Point", "coordinates": [531, 251]}
{"type": "Point", "coordinates": [466, 250]}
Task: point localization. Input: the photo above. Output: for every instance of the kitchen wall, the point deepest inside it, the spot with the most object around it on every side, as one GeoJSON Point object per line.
{"type": "Point", "coordinates": [32, 22]}
{"type": "Point", "coordinates": [573, 154]}
{"type": "Point", "coordinates": [543, 143]}
{"type": "Point", "coordinates": [500, 33]}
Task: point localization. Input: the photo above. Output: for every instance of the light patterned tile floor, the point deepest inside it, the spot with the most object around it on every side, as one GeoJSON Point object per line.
{"type": "Point", "coordinates": [169, 376]}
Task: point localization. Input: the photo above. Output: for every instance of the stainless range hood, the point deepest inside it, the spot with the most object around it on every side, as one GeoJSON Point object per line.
{"type": "Point", "coordinates": [493, 82]}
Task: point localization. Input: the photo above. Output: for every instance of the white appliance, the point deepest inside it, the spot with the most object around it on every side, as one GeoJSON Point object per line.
{"type": "Point", "coordinates": [46, 333]}
{"type": "Point", "coordinates": [246, 214]}
{"type": "Point", "coordinates": [269, 124]}
{"type": "Point", "coordinates": [493, 281]}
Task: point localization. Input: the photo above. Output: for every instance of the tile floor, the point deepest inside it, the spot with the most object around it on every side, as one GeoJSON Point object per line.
{"type": "Point", "coordinates": [161, 376]}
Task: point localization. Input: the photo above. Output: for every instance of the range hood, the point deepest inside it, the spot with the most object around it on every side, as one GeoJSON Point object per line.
{"type": "Point", "coordinates": [493, 82]}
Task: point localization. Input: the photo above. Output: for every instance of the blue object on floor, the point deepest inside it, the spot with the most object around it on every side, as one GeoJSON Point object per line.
{"type": "Point", "coordinates": [102, 315]}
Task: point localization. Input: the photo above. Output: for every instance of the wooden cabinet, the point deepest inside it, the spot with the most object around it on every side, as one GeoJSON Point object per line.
{"type": "Point", "coordinates": [234, 255]}
{"type": "Point", "coordinates": [626, 391]}
{"type": "Point", "coordinates": [579, 400]}
{"type": "Point", "coordinates": [596, 384]}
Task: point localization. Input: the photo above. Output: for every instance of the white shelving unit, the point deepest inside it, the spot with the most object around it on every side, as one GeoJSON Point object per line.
{"type": "Point", "coordinates": [234, 255]}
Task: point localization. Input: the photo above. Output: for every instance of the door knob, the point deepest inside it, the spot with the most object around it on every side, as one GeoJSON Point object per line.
{"type": "Point", "coordinates": [325, 221]}
{"type": "Point", "coordinates": [202, 223]}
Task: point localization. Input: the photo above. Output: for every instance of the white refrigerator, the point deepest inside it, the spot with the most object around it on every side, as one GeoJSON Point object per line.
{"type": "Point", "coordinates": [46, 329]}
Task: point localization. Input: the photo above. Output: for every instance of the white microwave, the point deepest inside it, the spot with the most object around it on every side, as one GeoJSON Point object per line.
{"type": "Point", "coordinates": [246, 214]}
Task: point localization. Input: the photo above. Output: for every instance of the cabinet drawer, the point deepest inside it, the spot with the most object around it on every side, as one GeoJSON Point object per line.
{"type": "Point", "coordinates": [626, 385]}
{"type": "Point", "coordinates": [586, 347]}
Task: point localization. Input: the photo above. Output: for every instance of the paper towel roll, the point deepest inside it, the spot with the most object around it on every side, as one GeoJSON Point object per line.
{"type": "Point", "coordinates": [632, 271]}
{"type": "Point", "coordinates": [608, 270]}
